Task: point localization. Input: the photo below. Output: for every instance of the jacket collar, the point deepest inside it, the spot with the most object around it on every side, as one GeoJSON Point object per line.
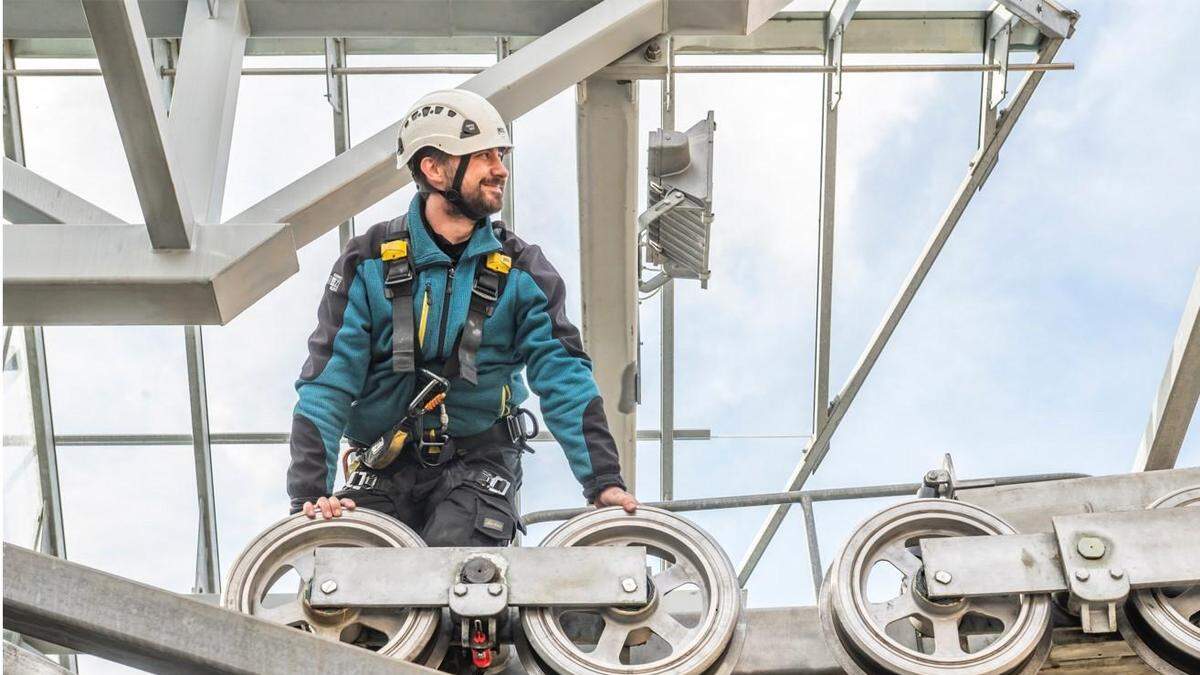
{"type": "Point", "coordinates": [426, 251]}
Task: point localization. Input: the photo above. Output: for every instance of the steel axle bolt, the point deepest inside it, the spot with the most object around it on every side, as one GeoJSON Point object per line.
{"type": "Point", "coordinates": [495, 589]}
{"type": "Point", "coordinates": [460, 589]}
{"type": "Point", "coordinates": [1091, 548]}
{"type": "Point", "coordinates": [629, 585]}
{"type": "Point", "coordinates": [328, 586]}
{"type": "Point", "coordinates": [942, 577]}
{"type": "Point", "coordinates": [1082, 575]}
{"type": "Point", "coordinates": [1116, 573]}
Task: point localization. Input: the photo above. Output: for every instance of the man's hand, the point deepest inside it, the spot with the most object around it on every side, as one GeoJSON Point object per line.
{"type": "Point", "coordinates": [614, 496]}
{"type": "Point", "coordinates": [328, 507]}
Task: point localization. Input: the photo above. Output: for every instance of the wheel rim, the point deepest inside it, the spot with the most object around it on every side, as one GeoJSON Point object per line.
{"type": "Point", "coordinates": [1163, 624]}
{"type": "Point", "coordinates": [912, 634]}
{"type": "Point", "coordinates": [288, 546]}
{"type": "Point", "coordinates": [649, 640]}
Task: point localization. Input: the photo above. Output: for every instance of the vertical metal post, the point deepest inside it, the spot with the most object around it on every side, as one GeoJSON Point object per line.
{"type": "Point", "coordinates": [208, 566]}
{"type": "Point", "coordinates": [335, 49]}
{"type": "Point", "coordinates": [51, 536]}
{"type": "Point", "coordinates": [508, 213]}
{"type": "Point", "coordinates": [667, 300]}
{"type": "Point", "coordinates": [814, 551]}
{"type": "Point", "coordinates": [825, 215]}
{"type": "Point", "coordinates": [607, 127]}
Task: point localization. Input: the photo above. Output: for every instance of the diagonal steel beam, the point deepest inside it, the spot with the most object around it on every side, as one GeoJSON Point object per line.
{"type": "Point", "coordinates": [1177, 394]}
{"type": "Point", "coordinates": [354, 180]}
{"type": "Point", "coordinates": [30, 198]}
{"type": "Point", "coordinates": [133, 90]}
{"type": "Point", "coordinates": [1051, 20]}
{"type": "Point", "coordinates": [204, 100]}
{"type": "Point", "coordinates": [818, 445]}
{"type": "Point", "coordinates": [162, 632]}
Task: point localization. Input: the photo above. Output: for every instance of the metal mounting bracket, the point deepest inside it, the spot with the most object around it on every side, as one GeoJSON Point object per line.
{"type": "Point", "coordinates": [333, 82]}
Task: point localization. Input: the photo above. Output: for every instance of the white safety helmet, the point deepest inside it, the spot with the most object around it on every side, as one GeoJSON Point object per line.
{"type": "Point", "coordinates": [455, 121]}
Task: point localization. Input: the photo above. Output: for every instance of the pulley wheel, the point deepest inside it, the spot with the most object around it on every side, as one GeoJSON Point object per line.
{"type": "Point", "coordinates": [657, 638]}
{"type": "Point", "coordinates": [1162, 625]}
{"type": "Point", "coordinates": [872, 628]}
{"type": "Point", "coordinates": [284, 553]}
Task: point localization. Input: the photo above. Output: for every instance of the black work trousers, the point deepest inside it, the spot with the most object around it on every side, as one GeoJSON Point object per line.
{"type": "Point", "coordinates": [443, 504]}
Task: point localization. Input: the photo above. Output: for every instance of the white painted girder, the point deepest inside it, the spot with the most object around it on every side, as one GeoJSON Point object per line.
{"type": "Point", "coordinates": [354, 180]}
{"type": "Point", "coordinates": [30, 198]}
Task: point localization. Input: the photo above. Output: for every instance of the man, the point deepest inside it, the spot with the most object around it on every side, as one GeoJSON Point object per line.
{"type": "Point", "coordinates": [444, 293]}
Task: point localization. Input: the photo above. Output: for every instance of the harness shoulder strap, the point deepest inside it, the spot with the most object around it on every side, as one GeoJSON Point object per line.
{"type": "Point", "coordinates": [490, 277]}
{"type": "Point", "coordinates": [397, 286]}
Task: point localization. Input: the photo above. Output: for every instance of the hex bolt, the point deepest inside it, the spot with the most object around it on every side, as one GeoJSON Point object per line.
{"type": "Point", "coordinates": [328, 586]}
{"type": "Point", "coordinates": [495, 589]}
{"type": "Point", "coordinates": [942, 577]}
{"type": "Point", "coordinates": [629, 585]}
{"type": "Point", "coordinates": [460, 589]}
{"type": "Point", "coordinates": [1091, 548]}
{"type": "Point", "coordinates": [653, 52]}
{"type": "Point", "coordinates": [1082, 575]}
{"type": "Point", "coordinates": [1116, 573]}
{"type": "Point", "coordinates": [931, 476]}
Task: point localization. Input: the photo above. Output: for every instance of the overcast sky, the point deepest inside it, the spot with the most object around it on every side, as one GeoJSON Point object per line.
{"type": "Point", "coordinates": [1036, 344]}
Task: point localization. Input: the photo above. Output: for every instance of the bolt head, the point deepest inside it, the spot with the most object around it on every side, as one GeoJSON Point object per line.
{"type": "Point", "coordinates": [495, 589]}
{"type": "Point", "coordinates": [328, 586]}
{"type": "Point", "coordinates": [1091, 548]}
{"type": "Point", "coordinates": [1082, 575]}
{"type": "Point", "coordinates": [629, 585]}
{"type": "Point", "coordinates": [460, 589]}
{"type": "Point", "coordinates": [1116, 573]}
{"type": "Point", "coordinates": [942, 577]}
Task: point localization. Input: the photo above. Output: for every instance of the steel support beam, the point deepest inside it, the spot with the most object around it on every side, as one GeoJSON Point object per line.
{"type": "Point", "coordinates": [1178, 393]}
{"type": "Point", "coordinates": [667, 321]}
{"type": "Point", "coordinates": [1053, 21]}
{"type": "Point", "coordinates": [155, 630]}
{"type": "Point", "coordinates": [208, 566]}
{"type": "Point", "coordinates": [14, 144]}
{"type": "Point", "coordinates": [109, 275]}
{"type": "Point", "coordinates": [818, 445]}
{"type": "Point", "coordinates": [204, 101]}
{"type": "Point", "coordinates": [31, 198]}
{"type": "Point", "coordinates": [339, 102]}
{"type": "Point", "coordinates": [607, 135]}
{"type": "Point", "coordinates": [361, 176]}
{"type": "Point", "coordinates": [19, 661]}
{"type": "Point", "coordinates": [508, 213]}
{"type": "Point", "coordinates": [52, 538]}
{"type": "Point", "coordinates": [124, 54]}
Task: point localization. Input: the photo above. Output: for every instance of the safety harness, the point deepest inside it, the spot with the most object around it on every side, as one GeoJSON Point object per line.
{"type": "Point", "coordinates": [490, 278]}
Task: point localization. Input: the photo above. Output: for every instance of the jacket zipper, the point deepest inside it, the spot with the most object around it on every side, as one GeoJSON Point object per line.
{"type": "Point", "coordinates": [446, 309]}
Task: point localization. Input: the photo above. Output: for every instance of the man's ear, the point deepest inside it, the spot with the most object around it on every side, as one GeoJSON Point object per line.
{"type": "Point", "coordinates": [435, 172]}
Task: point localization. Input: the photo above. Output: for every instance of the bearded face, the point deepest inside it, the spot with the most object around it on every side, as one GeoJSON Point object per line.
{"type": "Point", "coordinates": [483, 184]}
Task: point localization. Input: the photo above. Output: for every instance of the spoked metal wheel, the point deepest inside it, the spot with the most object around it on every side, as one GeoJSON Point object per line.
{"type": "Point", "coordinates": [658, 637]}
{"type": "Point", "coordinates": [872, 628]}
{"type": "Point", "coordinates": [1162, 625]}
{"type": "Point", "coordinates": [280, 561]}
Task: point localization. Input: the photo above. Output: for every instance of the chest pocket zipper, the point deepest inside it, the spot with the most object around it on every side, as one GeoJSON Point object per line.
{"type": "Point", "coordinates": [424, 316]}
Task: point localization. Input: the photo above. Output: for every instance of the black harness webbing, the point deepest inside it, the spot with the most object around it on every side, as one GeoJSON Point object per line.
{"type": "Point", "coordinates": [490, 277]}
{"type": "Point", "coordinates": [398, 287]}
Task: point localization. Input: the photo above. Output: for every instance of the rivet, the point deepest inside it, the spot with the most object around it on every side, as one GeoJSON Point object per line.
{"type": "Point", "coordinates": [942, 577]}
{"type": "Point", "coordinates": [629, 585]}
{"type": "Point", "coordinates": [1116, 573]}
{"type": "Point", "coordinates": [460, 589]}
{"type": "Point", "coordinates": [1082, 575]}
{"type": "Point", "coordinates": [328, 586]}
{"type": "Point", "coordinates": [495, 589]}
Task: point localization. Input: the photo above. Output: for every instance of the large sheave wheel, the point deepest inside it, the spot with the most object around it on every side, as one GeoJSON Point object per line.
{"type": "Point", "coordinates": [874, 627]}
{"type": "Point", "coordinates": [288, 547]}
{"type": "Point", "coordinates": [650, 640]}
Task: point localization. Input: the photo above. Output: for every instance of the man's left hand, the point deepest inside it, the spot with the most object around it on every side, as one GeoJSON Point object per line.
{"type": "Point", "coordinates": [615, 496]}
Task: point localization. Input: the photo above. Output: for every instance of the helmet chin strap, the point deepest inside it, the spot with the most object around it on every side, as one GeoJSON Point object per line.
{"type": "Point", "coordinates": [454, 193]}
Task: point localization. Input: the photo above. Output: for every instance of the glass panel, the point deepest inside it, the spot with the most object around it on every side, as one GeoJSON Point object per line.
{"type": "Point", "coordinates": [22, 491]}
{"type": "Point", "coordinates": [118, 380]}
{"type": "Point", "coordinates": [253, 361]}
{"type": "Point", "coordinates": [250, 484]}
{"type": "Point", "coordinates": [132, 511]}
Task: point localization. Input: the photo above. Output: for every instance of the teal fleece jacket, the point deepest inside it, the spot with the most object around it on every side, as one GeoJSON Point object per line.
{"type": "Point", "coordinates": [347, 386]}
